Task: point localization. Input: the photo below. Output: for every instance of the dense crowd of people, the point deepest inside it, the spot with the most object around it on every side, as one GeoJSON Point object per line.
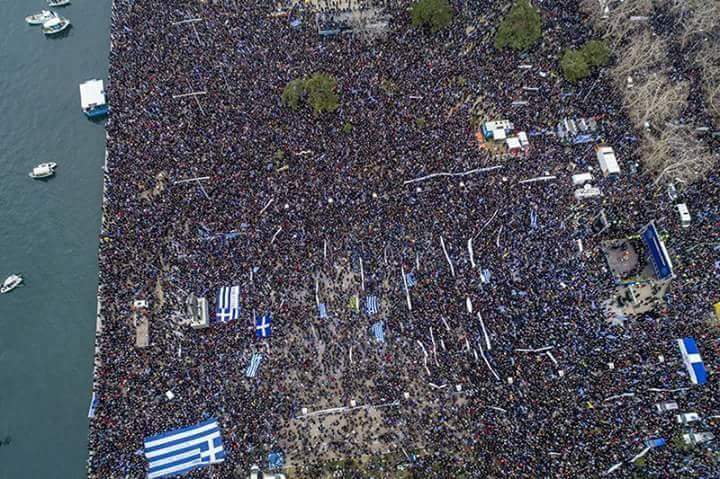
{"type": "Point", "coordinates": [313, 199]}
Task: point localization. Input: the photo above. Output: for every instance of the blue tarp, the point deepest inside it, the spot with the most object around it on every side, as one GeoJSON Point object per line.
{"type": "Point", "coordinates": [659, 256]}
{"type": "Point", "coordinates": [276, 460]}
{"type": "Point", "coordinates": [659, 442]}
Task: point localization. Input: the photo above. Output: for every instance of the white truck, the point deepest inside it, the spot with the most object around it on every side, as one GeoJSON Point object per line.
{"type": "Point", "coordinates": [607, 160]}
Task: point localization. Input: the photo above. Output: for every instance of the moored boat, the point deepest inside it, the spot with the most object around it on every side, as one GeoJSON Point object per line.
{"type": "Point", "coordinates": [58, 3]}
{"type": "Point", "coordinates": [92, 99]}
{"type": "Point", "coordinates": [40, 18]}
{"type": "Point", "coordinates": [43, 170]}
{"type": "Point", "coordinates": [11, 282]}
{"type": "Point", "coordinates": [55, 25]}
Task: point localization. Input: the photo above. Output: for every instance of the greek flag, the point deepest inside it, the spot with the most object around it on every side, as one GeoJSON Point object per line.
{"type": "Point", "coordinates": [378, 331]}
{"type": "Point", "coordinates": [93, 406]}
{"type": "Point", "coordinates": [410, 279]}
{"type": "Point", "coordinates": [176, 452]}
{"type": "Point", "coordinates": [262, 326]}
{"type": "Point", "coordinates": [323, 311]}
{"type": "Point", "coordinates": [693, 361]}
{"type": "Point", "coordinates": [252, 368]}
{"type": "Point", "coordinates": [227, 306]}
{"type": "Point", "coordinates": [485, 276]}
{"type": "Point", "coordinates": [371, 305]}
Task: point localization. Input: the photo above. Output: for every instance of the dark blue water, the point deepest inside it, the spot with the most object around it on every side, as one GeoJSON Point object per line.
{"type": "Point", "coordinates": [48, 232]}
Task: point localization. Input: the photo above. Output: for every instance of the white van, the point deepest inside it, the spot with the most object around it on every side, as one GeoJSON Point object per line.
{"type": "Point", "coordinates": [256, 473]}
{"type": "Point", "coordinates": [608, 161]}
{"type": "Point", "coordinates": [687, 417]}
{"type": "Point", "coordinates": [582, 178]}
{"type": "Point", "coordinates": [684, 215]}
{"type": "Point", "coordinates": [666, 406]}
{"type": "Point", "coordinates": [698, 437]}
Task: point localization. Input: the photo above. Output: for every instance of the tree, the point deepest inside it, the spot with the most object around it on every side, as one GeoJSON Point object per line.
{"type": "Point", "coordinates": [320, 89]}
{"type": "Point", "coordinates": [574, 65]}
{"type": "Point", "coordinates": [520, 28]}
{"type": "Point", "coordinates": [293, 93]}
{"type": "Point", "coordinates": [435, 14]}
{"type": "Point", "coordinates": [596, 53]}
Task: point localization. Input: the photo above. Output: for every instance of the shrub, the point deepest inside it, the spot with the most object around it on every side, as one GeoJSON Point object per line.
{"type": "Point", "coordinates": [435, 14]}
{"type": "Point", "coordinates": [520, 28]}
{"type": "Point", "coordinates": [347, 127]}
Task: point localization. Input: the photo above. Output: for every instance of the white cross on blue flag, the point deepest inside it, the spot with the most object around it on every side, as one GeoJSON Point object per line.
{"type": "Point", "coordinates": [263, 328]}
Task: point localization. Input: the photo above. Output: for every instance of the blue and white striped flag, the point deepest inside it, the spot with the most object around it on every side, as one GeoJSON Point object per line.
{"type": "Point", "coordinates": [263, 328]}
{"type": "Point", "coordinates": [252, 368]}
{"type": "Point", "coordinates": [371, 305]}
{"type": "Point", "coordinates": [485, 275]}
{"type": "Point", "coordinates": [693, 361]}
{"type": "Point", "coordinates": [93, 406]}
{"type": "Point", "coordinates": [323, 311]}
{"type": "Point", "coordinates": [410, 279]}
{"type": "Point", "coordinates": [533, 219]}
{"type": "Point", "coordinates": [227, 306]}
{"type": "Point", "coordinates": [378, 330]}
{"type": "Point", "coordinates": [176, 452]}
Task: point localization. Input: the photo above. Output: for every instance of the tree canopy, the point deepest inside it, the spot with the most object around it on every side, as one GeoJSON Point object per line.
{"type": "Point", "coordinates": [574, 66]}
{"type": "Point", "coordinates": [435, 14]}
{"type": "Point", "coordinates": [520, 28]}
{"type": "Point", "coordinates": [319, 90]}
{"type": "Point", "coordinates": [596, 53]}
{"type": "Point", "coordinates": [577, 64]}
{"type": "Point", "coordinates": [293, 93]}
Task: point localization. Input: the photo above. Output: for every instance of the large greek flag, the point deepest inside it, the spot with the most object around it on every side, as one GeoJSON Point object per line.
{"type": "Point", "coordinates": [227, 306]}
{"type": "Point", "coordinates": [371, 305]}
{"type": "Point", "coordinates": [322, 309]}
{"type": "Point", "coordinates": [252, 368]}
{"type": "Point", "coordinates": [176, 452]}
{"type": "Point", "coordinates": [693, 361]}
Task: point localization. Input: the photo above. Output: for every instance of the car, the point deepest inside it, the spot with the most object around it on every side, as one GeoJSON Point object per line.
{"type": "Point", "coordinates": [687, 417]}
{"type": "Point", "coordinates": [256, 473]}
{"type": "Point", "coordinates": [698, 437]}
{"type": "Point", "coordinates": [666, 406]}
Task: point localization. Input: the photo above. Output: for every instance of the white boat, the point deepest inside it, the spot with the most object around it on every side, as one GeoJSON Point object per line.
{"type": "Point", "coordinates": [58, 3]}
{"type": "Point", "coordinates": [92, 99]}
{"type": "Point", "coordinates": [40, 18]}
{"type": "Point", "coordinates": [11, 282]}
{"type": "Point", "coordinates": [43, 170]}
{"type": "Point", "coordinates": [55, 25]}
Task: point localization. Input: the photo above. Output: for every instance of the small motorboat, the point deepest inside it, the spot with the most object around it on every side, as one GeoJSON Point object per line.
{"type": "Point", "coordinates": [43, 170]}
{"type": "Point", "coordinates": [40, 18]}
{"type": "Point", "coordinates": [55, 25]}
{"type": "Point", "coordinates": [58, 3]}
{"type": "Point", "coordinates": [11, 282]}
